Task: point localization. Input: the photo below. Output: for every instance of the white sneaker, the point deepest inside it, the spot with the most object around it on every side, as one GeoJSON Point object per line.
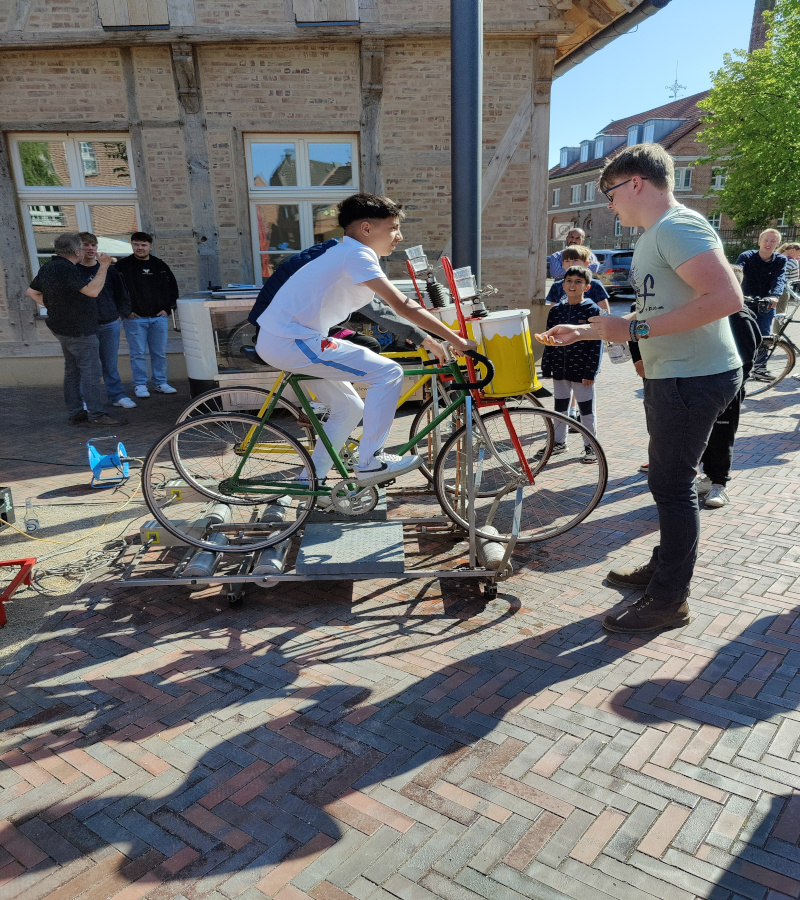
{"type": "Point", "coordinates": [717, 497]}
{"type": "Point", "coordinates": [125, 403]}
{"type": "Point", "coordinates": [141, 391]}
{"type": "Point", "coordinates": [702, 484]}
{"type": "Point", "coordinates": [165, 388]}
{"type": "Point", "coordinates": [386, 467]}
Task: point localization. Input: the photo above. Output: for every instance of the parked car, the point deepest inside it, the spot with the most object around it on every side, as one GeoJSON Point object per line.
{"type": "Point", "coordinates": [615, 270]}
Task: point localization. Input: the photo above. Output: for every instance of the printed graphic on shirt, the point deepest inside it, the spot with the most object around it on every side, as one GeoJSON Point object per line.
{"type": "Point", "coordinates": [645, 292]}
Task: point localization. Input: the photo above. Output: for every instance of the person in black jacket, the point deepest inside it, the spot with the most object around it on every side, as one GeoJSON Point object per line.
{"type": "Point", "coordinates": [574, 367]}
{"type": "Point", "coordinates": [113, 305]}
{"type": "Point", "coordinates": [154, 294]}
{"type": "Point", "coordinates": [764, 273]}
{"type": "Point", "coordinates": [72, 317]}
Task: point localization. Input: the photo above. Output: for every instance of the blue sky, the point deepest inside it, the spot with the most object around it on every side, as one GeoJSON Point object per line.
{"type": "Point", "coordinates": [630, 74]}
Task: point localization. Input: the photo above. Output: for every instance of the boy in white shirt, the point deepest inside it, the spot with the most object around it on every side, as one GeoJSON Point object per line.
{"type": "Point", "coordinates": [294, 335]}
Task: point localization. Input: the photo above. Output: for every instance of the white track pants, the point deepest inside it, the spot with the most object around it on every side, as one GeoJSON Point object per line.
{"type": "Point", "coordinates": [336, 363]}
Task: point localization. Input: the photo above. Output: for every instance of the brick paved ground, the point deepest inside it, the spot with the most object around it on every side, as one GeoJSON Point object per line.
{"type": "Point", "coordinates": [381, 740]}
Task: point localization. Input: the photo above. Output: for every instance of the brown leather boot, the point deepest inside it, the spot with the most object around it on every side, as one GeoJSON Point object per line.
{"type": "Point", "coordinates": [648, 615]}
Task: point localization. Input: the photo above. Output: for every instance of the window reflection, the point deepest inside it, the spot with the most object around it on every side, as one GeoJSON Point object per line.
{"type": "Point", "coordinates": [274, 165]}
{"type": "Point", "coordinates": [44, 164]}
{"type": "Point", "coordinates": [331, 164]}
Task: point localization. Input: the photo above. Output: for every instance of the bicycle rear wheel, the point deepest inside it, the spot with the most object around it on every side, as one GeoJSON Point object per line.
{"type": "Point", "coordinates": [780, 361]}
{"type": "Point", "coordinates": [565, 492]}
{"type": "Point", "coordinates": [249, 400]}
{"type": "Point", "coordinates": [187, 483]}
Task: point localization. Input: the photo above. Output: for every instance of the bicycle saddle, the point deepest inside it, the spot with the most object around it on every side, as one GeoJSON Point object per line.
{"type": "Point", "coordinates": [252, 355]}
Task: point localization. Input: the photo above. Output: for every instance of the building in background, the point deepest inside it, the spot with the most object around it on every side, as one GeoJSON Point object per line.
{"type": "Point", "coordinates": [230, 129]}
{"type": "Point", "coordinates": [573, 196]}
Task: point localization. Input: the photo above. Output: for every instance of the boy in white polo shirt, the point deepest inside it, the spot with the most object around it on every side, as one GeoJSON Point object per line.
{"type": "Point", "coordinates": [294, 335]}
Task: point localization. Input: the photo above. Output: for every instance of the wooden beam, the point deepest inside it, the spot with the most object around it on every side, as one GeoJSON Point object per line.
{"type": "Point", "coordinates": [544, 57]}
{"type": "Point", "coordinates": [14, 257]}
{"type": "Point", "coordinates": [289, 33]}
{"type": "Point", "coordinates": [371, 179]}
{"type": "Point", "coordinates": [136, 131]}
{"type": "Point", "coordinates": [198, 164]}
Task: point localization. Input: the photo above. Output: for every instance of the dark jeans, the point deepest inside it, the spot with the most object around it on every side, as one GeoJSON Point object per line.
{"type": "Point", "coordinates": [717, 458]}
{"type": "Point", "coordinates": [82, 375]}
{"type": "Point", "coordinates": [680, 415]}
{"type": "Point", "coordinates": [765, 320]}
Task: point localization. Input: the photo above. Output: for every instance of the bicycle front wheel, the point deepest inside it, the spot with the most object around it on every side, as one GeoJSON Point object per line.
{"type": "Point", "coordinates": [565, 491]}
{"type": "Point", "coordinates": [217, 483]}
{"type": "Point", "coordinates": [430, 444]}
{"type": "Point", "coordinates": [780, 361]}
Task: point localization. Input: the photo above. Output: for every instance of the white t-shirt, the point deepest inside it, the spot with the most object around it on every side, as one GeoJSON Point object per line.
{"type": "Point", "coordinates": [324, 292]}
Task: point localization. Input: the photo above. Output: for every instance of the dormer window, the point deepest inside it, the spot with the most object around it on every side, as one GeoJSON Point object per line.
{"type": "Point", "coordinates": [598, 148]}
{"type": "Point", "coordinates": [633, 135]}
{"type": "Point", "coordinates": [564, 162]}
{"type": "Point", "coordinates": [586, 149]}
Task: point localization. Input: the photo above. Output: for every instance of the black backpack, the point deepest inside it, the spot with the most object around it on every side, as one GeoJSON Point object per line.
{"type": "Point", "coordinates": [747, 335]}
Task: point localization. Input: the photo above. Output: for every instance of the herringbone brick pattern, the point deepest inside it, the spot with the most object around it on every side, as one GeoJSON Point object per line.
{"type": "Point", "coordinates": [386, 740]}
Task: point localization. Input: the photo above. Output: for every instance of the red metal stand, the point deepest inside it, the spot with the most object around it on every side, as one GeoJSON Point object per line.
{"type": "Point", "coordinates": [22, 577]}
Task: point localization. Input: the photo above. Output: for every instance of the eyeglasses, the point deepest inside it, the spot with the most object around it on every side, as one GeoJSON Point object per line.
{"type": "Point", "coordinates": [607, 194]}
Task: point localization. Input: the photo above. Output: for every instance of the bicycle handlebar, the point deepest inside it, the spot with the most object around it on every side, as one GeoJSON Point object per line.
{"type": "Point", "coordinates": [474, 385]}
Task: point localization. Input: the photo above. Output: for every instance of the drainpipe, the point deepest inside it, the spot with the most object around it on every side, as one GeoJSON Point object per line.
{"type": "Point", "coordinates": [466, 142]}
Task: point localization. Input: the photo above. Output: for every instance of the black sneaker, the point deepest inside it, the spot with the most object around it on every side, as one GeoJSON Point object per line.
{"type": "Point", "coordinates": [589, 456]}
{"type": "Point", "coordinates": [82, 416]}
{"type": "Point", "coordinates": [762, 375]}
{"type": "Point", "coordinates": [104, 421]}
{"type": "Point", "coordinates": [557, 449]}
{"type": "Point", "coordinates": [648, 615]}
{"type": "Point", "coordinates": [631, 576]}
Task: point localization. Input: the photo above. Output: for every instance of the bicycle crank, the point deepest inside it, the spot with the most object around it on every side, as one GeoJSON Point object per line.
{"type": "Point", "coordinates": [351, 500]}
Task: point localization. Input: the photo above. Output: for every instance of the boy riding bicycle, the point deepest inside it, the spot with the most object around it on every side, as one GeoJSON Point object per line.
{"type": "Point", "coordinates": [294, 335]}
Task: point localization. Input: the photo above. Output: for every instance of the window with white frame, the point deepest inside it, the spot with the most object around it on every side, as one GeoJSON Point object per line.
{"type": "Point", "coordinates": [718, 178]}
{"type": "Point", "coordinates": [74, 182]}
{"type": "Point", "coordinates": [576, 194]}
{"type": "Point", "coordinates": [617, 227]}
{"type": "Point", "coordinates": [683, 178]}
{"type": "Point", "coordinates": [588, 191]}
{"type": "Point", "coordinates": [556, 196]}
{"type": "Point", "coordinates": [294, 185]}
{"type": "Point", "coordinates": [715, 219]}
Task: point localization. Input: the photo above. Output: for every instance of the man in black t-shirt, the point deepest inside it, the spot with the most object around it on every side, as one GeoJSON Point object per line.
{"type": "Point", "coordinates": [72, 317]}
{"type": "Point", "coordinates": [154, 294]}
{"type": "Point", "coordinates": [113, 305]}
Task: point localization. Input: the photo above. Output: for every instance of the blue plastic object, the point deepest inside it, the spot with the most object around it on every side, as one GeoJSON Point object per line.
{"type": "Point", "coordinates": [114, 463]}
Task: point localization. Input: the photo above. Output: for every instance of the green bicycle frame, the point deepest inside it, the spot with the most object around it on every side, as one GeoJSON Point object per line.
{"type": "Point", "coordinates": [283, 488]}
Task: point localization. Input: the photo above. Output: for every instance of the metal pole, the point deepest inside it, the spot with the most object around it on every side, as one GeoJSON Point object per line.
{"type": "Point", "coordinates": [466, 108]}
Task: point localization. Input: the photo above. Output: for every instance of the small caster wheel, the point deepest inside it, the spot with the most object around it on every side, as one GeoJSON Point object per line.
{"type": "Point", "coordinates": [490, 592]}
{"type": "Point", "coordinates": [235, 602]}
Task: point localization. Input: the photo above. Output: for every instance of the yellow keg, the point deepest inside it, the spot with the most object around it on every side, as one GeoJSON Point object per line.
{"type": "Point", "coordinates": [507, 343]}
{"type": "Point", "coordinates": [449, 316]}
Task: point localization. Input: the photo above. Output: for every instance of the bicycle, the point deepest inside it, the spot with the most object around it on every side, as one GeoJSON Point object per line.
{"type": "Point", "coordinates": [255, 401]}
{"type": "Point", "coordinates": [781, 353]}
{"type": "Point", "coordinates": [233, 482]}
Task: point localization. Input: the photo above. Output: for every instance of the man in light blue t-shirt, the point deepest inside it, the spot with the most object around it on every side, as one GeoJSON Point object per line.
{"type": "Point", "coordinates": [685, 291]}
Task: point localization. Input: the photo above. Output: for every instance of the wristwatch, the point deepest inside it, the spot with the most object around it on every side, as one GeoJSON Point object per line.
{"type": "Point", "coordinates": [640, 331]}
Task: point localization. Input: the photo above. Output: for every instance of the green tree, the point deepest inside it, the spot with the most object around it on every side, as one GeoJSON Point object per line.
{"type": "Point", "coordinates": [37, 165]}
{"type": "Point", "coordinates": [753, 123]}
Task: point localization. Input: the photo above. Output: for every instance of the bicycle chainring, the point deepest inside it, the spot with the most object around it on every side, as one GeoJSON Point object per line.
{"type": "Point", "coordinates": [351, 500]}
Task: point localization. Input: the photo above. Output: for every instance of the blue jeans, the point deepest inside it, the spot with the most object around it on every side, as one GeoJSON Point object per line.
{"type": "Point", "coordinates": [109, 352]}
{"type": "Point", "coordinates": [82, 374]}
{"type": "Point", "coordinates": [680, 415]}
{"type": "Point", "coordinates": [764, 320]}
{"type": "Point", "coordinates": [148, 334]}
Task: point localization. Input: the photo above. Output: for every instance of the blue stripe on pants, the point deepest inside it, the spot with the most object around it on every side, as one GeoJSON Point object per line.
{"type": "Point", "coordinates": [307, 351]}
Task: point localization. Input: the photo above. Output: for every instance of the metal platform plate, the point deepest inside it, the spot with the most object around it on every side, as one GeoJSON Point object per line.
{"type": "Point", "coordinates": [337, 548]}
